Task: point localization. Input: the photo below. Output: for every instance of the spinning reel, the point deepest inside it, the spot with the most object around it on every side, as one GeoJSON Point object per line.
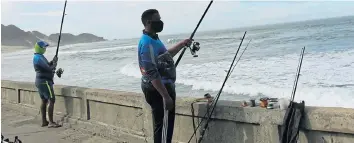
{"type": "Point", "coordinates": [195, 47]}
{"type": "Point", "coordinates": [59, 72]}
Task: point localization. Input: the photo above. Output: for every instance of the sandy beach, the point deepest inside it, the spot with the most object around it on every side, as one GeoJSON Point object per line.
{"type": "Point", "coordinates": [10, 49]}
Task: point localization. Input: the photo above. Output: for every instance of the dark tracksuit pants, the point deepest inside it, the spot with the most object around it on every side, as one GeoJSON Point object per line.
{"type": "Point", "coordinates": [153, 97]}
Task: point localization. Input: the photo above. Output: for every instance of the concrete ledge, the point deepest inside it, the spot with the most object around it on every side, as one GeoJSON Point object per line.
{"type": "Point", "coordinates": [92, 127]}
{"type": "Point", "coordinates": [126, 116]}
{"type": "Point", "coordinates": [115, 97]}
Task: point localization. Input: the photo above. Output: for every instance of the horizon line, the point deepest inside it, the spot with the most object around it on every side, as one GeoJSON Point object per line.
{"type": "Point", "coordinates": [203, 31]}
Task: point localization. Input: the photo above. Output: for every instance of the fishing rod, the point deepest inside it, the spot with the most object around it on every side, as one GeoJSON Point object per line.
{"type": "Point", "coordinates": [193, 50]}
{"type": "Point", "coordinates": [61, 27]}
{"type": "Point", "coordinates": [297, 74]}
{"type": "Point", "coordinates": [60, 70]}
{"type": "Point", "coordinates": [195, 128]}
{"type": "Point", "coordinates": [218, 95]}
{"type": "Point", "coordinates": [195, 46]}
{"type": "Point", "coordinates": [290, 117]}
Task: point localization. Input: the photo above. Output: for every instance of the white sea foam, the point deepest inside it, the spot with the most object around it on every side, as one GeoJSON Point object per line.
{"type": "Point", "coordinates": [268, 67]}
{"type": "Point", "coordinates": [96, 50]}
{"type": "Point", "coordinates": [51, 51]}
{"type": "Point", "coordinates": [274, 77]}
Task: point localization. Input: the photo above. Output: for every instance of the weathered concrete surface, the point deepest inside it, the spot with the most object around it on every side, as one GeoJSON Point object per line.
{"type": "Point", "coordinates": [125, 116]}
{"type": "Point", "coordinates": [27, 128]}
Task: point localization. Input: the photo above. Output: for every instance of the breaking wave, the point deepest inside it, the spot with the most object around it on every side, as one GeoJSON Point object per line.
{"type": "Point", "coordinates": [274, 77]}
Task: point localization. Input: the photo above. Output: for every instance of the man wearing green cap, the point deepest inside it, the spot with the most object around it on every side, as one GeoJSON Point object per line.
{"type": "Point", "coordinates": [44, 82]}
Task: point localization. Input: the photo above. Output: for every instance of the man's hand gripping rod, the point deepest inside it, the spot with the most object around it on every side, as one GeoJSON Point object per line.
{"type": "Point", "coordinates": [195, 46]}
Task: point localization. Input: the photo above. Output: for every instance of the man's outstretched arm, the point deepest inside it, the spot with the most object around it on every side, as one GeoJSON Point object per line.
{"type": "Point", "coordinates": [176, 48]}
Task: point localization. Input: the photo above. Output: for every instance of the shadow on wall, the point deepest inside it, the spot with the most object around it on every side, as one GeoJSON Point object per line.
{"type": "Point", "coordinates": [217, 130]}
{"type": "Point", "coordinates": [313, 136]}
{"type": "Point", "coordinates": [68, 101]}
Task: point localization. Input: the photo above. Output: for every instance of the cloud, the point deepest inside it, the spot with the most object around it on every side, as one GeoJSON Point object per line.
{"type": "Point", "coordinates": [7, 8]}
{"type": "Point", "coordinates": [121, 19]}
{"type": "Point", "coordinates": [48, 13]}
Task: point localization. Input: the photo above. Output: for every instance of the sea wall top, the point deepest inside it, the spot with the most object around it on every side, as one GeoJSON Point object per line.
{"type": "Point", "coordinates": [334, 119]}
{"type": "Point", "coordinates": [324, 119]}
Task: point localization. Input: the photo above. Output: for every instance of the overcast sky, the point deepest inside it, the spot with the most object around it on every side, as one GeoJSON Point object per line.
{"type": "Point", "coordinates": [121, 19]}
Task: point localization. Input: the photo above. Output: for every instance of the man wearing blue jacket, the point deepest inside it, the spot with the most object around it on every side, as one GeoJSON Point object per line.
{"type": "Point", "coordinates": [158, 73]}
{"type": "Point", "coordinates": [45, 72]}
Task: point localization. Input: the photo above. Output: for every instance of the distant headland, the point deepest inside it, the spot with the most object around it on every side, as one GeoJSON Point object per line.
{"type": "Point", "coordinates": [12, 36]}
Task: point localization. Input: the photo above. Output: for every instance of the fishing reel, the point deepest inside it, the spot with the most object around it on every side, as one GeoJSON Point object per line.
{"type": "Point", "coordinates": [59, 72]}
{"type": "Point", "coordinates": [195, 47]}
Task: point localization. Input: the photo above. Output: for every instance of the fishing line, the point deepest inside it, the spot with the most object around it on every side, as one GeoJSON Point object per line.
{"type": "Point", "coordinates": [240, 57]}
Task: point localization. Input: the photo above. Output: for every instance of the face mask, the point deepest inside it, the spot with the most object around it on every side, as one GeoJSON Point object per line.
{"type": "Point", "coordinates": [157, 26]}
{"type": "Point", "coordinates": [38, 49]}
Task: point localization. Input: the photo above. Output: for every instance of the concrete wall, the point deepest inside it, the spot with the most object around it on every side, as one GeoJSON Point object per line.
{"type": "Point", "coordinates": [126, 117]}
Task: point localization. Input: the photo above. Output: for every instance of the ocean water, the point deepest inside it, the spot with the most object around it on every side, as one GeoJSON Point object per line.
{"type": "Point", "coordinates": [267, 68]}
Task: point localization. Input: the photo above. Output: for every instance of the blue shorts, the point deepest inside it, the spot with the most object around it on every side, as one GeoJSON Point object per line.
{"type": "Point", "coordinates": [46, 90]}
